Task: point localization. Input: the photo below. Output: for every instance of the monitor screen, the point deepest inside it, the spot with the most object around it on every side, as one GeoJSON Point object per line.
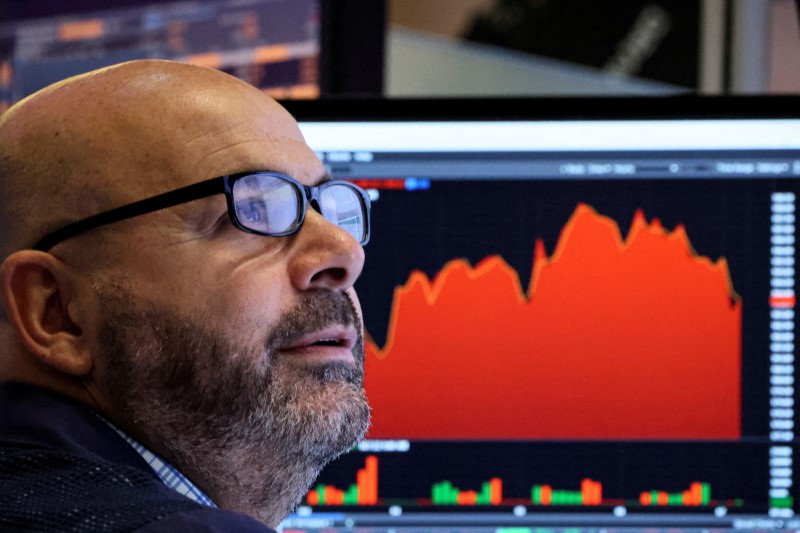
{"type": "Point", "coordinates": [272, 44]}
{"type": "Point", "coordinates": [578, 313]}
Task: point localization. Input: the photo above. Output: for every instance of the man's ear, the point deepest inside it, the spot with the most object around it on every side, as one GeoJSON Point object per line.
{"type": "Point", "coordinates": [39, 294]}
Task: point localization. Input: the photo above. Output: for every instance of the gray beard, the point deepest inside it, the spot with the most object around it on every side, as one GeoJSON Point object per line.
{"type": "Point", "coordinates": [250, 427]}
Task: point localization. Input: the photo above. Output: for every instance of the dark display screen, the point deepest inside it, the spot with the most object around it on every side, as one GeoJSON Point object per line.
{"type": "Point", "coordinates": [599, 332]}
{"type": "Point", "coordinates": [272, 44]}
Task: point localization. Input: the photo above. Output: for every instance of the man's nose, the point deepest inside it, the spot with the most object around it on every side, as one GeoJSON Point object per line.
{"type": "Point", "coordinates": [324, 256]}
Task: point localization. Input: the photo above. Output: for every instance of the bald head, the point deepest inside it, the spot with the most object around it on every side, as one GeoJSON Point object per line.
{"type": "Point", "coordinates": [101, 139]}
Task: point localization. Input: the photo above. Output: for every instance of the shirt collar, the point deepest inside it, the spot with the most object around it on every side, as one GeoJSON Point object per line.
{"type": "Point", "coordinates": [165, 471]}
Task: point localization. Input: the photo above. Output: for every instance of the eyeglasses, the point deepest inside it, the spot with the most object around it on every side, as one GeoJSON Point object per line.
{"type": "Point", "coordinates": [264, 203]}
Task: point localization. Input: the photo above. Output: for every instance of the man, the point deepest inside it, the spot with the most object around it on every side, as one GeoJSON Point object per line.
{"type": "Point", "coordinates": [200, 349]}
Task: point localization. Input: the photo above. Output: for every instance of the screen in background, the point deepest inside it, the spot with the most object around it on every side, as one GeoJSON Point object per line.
{"type": "Point", "coordinates": [571, 323]}
{"type": "Point", "coordinates": [272, 44]}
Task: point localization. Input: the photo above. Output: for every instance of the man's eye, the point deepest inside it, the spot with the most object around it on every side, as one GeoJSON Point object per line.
{"type": "Point", "coordinates": [252, 210]}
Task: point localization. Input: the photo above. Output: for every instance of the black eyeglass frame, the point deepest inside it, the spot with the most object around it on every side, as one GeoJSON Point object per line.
{"type": "Point", "coordinates": [203, 189]}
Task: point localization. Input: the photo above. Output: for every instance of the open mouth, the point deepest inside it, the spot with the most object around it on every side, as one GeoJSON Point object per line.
{"type": "Point", "coordinates": [329, 342]}
{"type": "Point", "coordinates": [334, 342]}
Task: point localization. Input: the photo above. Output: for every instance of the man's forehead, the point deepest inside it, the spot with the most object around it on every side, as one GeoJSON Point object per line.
{"type": "Point", "coordinates": [201, 126]}
{"type": "Point", "coordinates": [239, 129]}
{"type": "Point", "coordinates": [251, 151]}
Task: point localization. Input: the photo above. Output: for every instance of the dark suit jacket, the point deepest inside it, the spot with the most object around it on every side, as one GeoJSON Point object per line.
{"type": "Point", "coordinates": [62, 468]}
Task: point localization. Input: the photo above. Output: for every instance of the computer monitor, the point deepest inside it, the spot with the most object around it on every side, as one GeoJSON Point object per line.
{"type": "Point", "coordinates": [578, 312]}
{"type": "Point", "coordinates": [288, 48]}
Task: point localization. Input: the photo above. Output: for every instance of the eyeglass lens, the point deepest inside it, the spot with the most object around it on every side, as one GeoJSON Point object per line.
{"type": "Point", "coordinates": [271, 205]}
{"type": "Point", "coordinates": [342, 205]}
{"type": "Point", "coordinates": [267, 204]}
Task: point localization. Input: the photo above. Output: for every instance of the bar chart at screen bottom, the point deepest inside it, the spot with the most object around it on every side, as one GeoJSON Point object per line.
{"type": "Point", "coordinates": [616, 477]}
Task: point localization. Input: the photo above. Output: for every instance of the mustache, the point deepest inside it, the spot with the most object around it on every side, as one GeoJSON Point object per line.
{"type": "Point", "coordinates": [316, 310]}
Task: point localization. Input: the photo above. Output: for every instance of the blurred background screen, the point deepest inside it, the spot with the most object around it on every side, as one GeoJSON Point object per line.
{"type": "Point", "coordinates": [276, 45]}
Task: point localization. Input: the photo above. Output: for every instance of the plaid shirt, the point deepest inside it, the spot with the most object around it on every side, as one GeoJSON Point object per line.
{"type": "Point", "coordinates": [168, 473]}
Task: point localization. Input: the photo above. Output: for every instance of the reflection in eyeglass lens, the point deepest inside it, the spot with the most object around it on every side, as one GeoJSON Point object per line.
{"type": "Point", "coordinates": [342, 206]}
{"type": "Point", "coordinates": [266, 204]}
